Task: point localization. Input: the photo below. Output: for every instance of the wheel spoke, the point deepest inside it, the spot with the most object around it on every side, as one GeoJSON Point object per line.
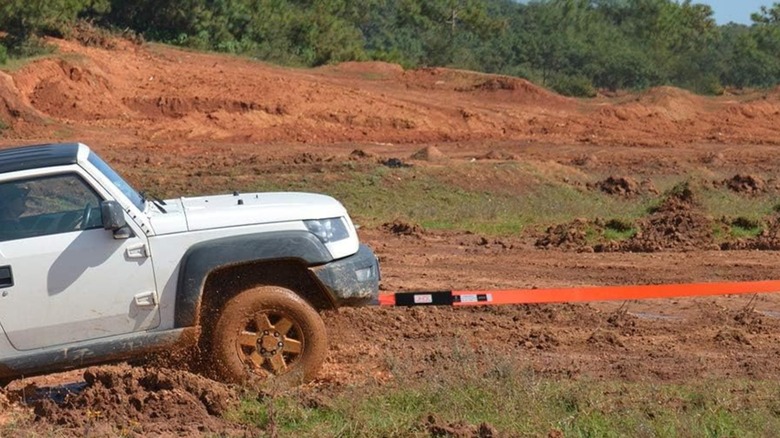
{"type": "Point", "coordinates": [278, 365]}
{"type": "Point", "coordinates": [262, 321]}
{"type": "Point", "coordinates": [283, 326]}
{"type": "Point", "coordinates": [256, 359]}
{"type": "Point", "coordinates": [247, 339]}
{"type": "Point", "coordinates": [292, 346]}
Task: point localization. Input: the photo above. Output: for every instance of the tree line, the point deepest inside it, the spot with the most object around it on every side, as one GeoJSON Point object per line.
{"type": "Point", "coordinates": [575, 47]}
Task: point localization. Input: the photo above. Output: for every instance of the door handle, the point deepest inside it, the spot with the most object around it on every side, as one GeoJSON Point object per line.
{"type": "Point", "coordinates": [6, 276]}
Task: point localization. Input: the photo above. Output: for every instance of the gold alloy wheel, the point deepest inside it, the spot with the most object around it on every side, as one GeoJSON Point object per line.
{"type": "Point", "coordinates": [270, 342]}
{"type": "Point", "coordinates": [267, 335]}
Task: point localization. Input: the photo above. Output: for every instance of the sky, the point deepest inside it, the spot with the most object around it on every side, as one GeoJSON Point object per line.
{"type": "Point", "coordinates": [737, 11]}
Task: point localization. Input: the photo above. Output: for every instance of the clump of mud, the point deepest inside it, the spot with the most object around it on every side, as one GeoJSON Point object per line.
{"type": "Point", "coordinates": [624, 186]}
{"type": "Point", "coordinates": [141, 402]}
{"type": "Point", "coordinates": [731, 337]}
{"type": "Point", "coordinates": [605, 338]}
{"type": "Point", "coordinates": [539, 340]}
{"type": "Point", "coordinates": [746, 184]}
{"type": "Point", "coordinates": [400, 228]}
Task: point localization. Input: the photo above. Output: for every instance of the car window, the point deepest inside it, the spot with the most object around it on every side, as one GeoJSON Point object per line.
{"type": "Point", "coordinates": [49, 205]}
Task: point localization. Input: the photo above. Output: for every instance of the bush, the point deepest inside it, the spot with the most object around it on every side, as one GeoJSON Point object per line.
{"type": "Point", "coordinates": [3, 54]}
{"type": "Point", "coordinates": [576, 86]}
{"type": "Point", "coordinates": [28, 47]}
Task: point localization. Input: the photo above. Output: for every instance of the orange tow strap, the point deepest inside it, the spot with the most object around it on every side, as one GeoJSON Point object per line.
{"type": "Point", "coordinates": [576, 294]}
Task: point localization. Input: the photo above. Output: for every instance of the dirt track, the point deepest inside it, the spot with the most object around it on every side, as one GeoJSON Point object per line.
{"type": "Point", "coordinates": [157, 107]}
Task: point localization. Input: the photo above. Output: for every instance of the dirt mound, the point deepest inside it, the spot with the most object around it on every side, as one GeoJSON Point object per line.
{"type": "Point", "coordinates": [519, 90]}
{"type": "Point", "coordinates": [13, 110]}
{"type": "Point", "coordinates": [625, 186]}
{"type": "Point", "coordinates": [565, 236]}
{"type": "Point", "coordinates": [677, 224]}
{"type": "Point", "coordinates": [620, 186]}
{"type": "Point", "coordinates": [746, 184]}
{"type": "Point", "coordinates": [142, 402]}
{"type": "Point", "coordinates": [400, 228]}
{"type": "Point", "coordinates": [674, 103]}
{"type": "Point", "coordinates": [429, 153]}
{"type": "Point", "coordinates": [70, 90]}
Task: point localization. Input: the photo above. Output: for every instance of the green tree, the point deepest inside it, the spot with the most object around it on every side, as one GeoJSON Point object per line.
{"type": "Point", "coordinates": [25, 19]}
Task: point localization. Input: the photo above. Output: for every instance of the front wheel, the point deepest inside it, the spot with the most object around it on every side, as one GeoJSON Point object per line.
{"type": "Point", "coordinates": [268, 334]}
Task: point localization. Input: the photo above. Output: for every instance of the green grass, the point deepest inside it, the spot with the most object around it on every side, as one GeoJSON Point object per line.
{"type": "Point", "coordinates": [435, 198]}
{"type": "Point", "coordinates": [618, 229]}
{"type": "Point", "coordinates": [519, 403]}
{"type": "Point", "coordinates": [723, 202]}
{"type": "Point", "coordinates": [485, 198]}
{"type": "Point", "coordinates": [431, 199]}
{"type": "Point", "coordinates": [743, 227]}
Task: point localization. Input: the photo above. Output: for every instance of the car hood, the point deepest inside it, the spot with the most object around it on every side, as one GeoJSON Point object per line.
{"type": "Point", "coordinates": [242, 209]}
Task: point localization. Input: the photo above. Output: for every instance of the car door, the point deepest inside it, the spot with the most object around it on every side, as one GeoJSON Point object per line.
{"type": "Point", "coordinates": [63, 278]}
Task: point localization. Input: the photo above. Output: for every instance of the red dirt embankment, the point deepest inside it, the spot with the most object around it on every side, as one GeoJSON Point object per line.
{"type": "Point", "coordinates": [151, 93]}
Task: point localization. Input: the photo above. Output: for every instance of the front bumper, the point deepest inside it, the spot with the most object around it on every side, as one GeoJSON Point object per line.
{"type": "Point", "coordinates": [351, 281]}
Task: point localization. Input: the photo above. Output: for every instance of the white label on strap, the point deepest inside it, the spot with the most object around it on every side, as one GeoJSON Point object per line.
{"type": "Point", "coordinates": [423, 299]}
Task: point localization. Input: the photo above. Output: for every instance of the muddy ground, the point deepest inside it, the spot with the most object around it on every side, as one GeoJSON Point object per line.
{"type": "Point", "coordinates": [147, 106]}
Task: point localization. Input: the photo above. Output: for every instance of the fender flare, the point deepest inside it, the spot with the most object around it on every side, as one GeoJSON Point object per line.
{"type": "Point", "coordinates": [203, 258]}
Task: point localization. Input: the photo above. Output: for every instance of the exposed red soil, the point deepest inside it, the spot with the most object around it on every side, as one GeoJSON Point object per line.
{"type": "Point", "coordinates": [186, 119]}
{"type": "Point", "coordinates": [130, 401]}
{"type": "Point", "coordinates": [156, 94]}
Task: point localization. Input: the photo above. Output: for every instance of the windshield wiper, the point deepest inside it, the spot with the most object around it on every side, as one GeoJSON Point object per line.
{"type": "Point", "coordinates": [155, 200]}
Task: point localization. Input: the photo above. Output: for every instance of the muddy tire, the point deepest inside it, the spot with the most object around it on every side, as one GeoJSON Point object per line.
{"type": "Point", "coordinates": [267, 336]}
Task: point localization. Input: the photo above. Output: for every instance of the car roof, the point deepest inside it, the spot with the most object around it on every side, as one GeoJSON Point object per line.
{"type": "Point", "coordinates": [37, 156]}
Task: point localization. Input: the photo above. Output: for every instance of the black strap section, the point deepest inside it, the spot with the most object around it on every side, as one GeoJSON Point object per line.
{"type": "Point", "coordinates": [438, 298]}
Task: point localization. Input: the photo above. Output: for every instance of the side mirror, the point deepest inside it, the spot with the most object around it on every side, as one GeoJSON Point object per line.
{"type": "Point", "coordinates": [113, 216]}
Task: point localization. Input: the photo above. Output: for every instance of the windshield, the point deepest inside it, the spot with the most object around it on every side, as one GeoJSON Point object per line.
{"type": "Point", "coordinates": [117, 180]}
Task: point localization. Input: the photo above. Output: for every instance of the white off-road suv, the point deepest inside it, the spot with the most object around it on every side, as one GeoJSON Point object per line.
{"type": "Point", "coordinates": [91, 271]}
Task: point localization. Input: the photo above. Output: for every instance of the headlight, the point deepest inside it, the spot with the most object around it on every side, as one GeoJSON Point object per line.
{"type": "Point", "coordinates": [328, 230]}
